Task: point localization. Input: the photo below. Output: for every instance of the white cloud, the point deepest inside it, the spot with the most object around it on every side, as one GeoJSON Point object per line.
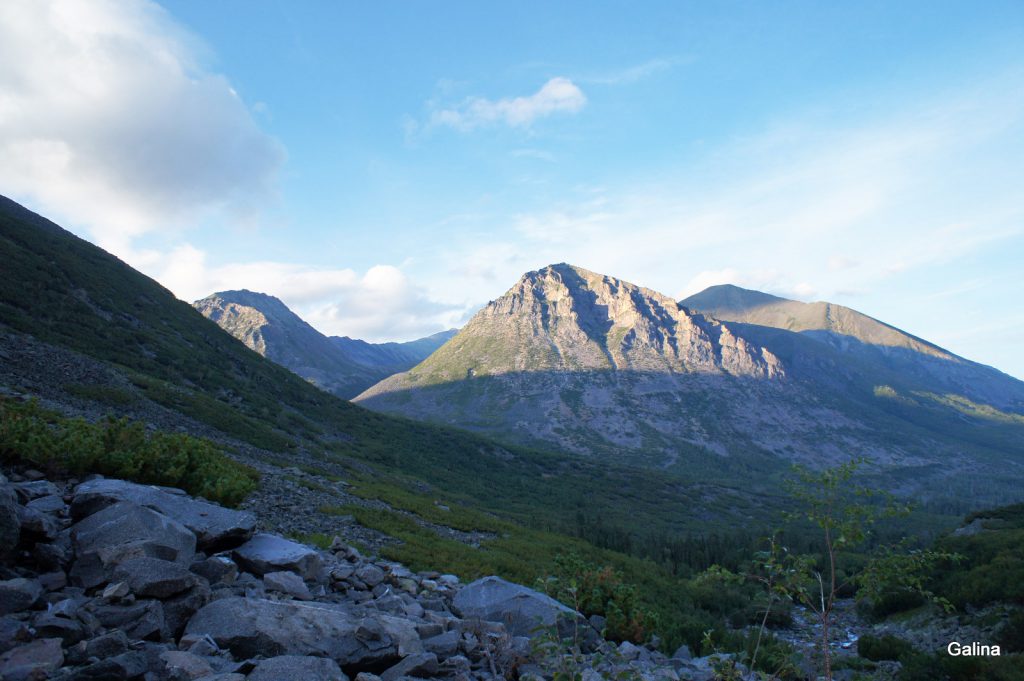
{"type": "Point", "coordinates": [381, 304]}
{"type": "Point", "coordinates": [886, 209]}
{"type": "Point", "coordinates": [558, 95]}
{"type": "Point", "coordinates": [108, 120]}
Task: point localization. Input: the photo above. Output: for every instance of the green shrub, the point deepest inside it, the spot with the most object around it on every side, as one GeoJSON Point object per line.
{"type": "Point", "coordinates": [1011, 633]}
{"type": "Point", "coordinates": [601, 590]}
{"type": "Point", "coordinates": [887, 647]}
{"type": "Point", "coordinates": [120, 449]}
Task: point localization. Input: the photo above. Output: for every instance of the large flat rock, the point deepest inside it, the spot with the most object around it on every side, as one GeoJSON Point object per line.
{"type": "Point", "coordinates": [216, 527]}
{"type": "Point", "coordinates": [288, 667]}
{"type": "Point", "coordinates": [520, 609]}
{"type": "Point", "coordinates": [266, 553]}
{"type": "Point", "coordinates": [124, 531]}
{"type": "Point", "coordinates": [251, 627]}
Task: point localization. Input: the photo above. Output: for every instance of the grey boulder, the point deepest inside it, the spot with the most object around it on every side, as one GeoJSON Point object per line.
{"type": "Point", "coordinates": [249, 627]}
{"type": "Point", "coordinates": [52, 503]}
{"type": "Point", "coordinates": [27, 491]}
{"type": "Point", "coordinates": [520, 609]}
{"type": "Point", "coordinates": [422, 665]}
{"type": "Point", "coordinates": [269, 553]}
{"type": "Point", "coordinates": [122, 532]}
{"type": "Point", "coordinates": [289, 667]}
{"type": "Point", "coordinates": [19, 594]}
{"type": "Point", "coordinates": [155, 578]}
{"type": "Point", "coordinates": [10, 525]}
{"type": "Point", "coordinates": [287, 583]}
{"type": "Point", "coordinates": [215, 527]}
{"type": "Point", "coordinates": [37, 525]}
{"type": "Point", "coordinates": [180, 665]}
{"type": "Point", "coordinates": [35, 660]}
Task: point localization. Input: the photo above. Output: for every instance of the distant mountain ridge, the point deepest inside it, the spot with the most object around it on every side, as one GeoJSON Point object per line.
{"type": "Point", "coordinates": [856, 334]}
{"type": "Point", "coordinates": [609, 369]}
{"type": "Point", "coordinates": [341, 365]}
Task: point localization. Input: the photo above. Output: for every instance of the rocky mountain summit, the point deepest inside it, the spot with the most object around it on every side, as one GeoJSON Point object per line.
{"type": "Point", "coordinates": [341, 365]}
{"type": "Point", "coordinates": [605, 368]}
{"type": "Point", "coordinates": [108, 579]}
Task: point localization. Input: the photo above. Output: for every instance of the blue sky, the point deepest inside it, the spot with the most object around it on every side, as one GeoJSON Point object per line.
{"type": "Point", "coordinates": [386, 168]}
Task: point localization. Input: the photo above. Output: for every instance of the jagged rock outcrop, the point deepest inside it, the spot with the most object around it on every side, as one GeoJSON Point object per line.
{"type": "Point", "coordinates": [598, 366]}
{"type": "Point", "coordinates": [131, 597]}
{"type": "Point", "coordinates": [608, 369]}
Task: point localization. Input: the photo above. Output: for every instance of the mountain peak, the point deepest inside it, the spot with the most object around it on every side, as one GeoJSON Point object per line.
{"type": "Point", "coordinates": [729, 297]}
{"type": "Point", "coordinates": [564, 318]}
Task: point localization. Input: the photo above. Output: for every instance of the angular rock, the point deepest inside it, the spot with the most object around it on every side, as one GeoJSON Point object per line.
{"type": "Point", "coordinates": [423, 665]}
{"type": "Point", "coordinates": [10, 526]}
{"type": "Point", "coordinates": [251, 626]}
{"type": "Point", "coordinates": [19, 594]}
{"type": "Point", "coordinates": [443, 645]}
{"type": "Point", "coordinates": [269, 553]}
{"type": "Point", "coordinates": [12, 632]}
{"type": "Point", "coordinates": [216, 570]}
{"type": "Point", "coordinates": [124, 531]}
{"type": "Point", "coordinates": [53, 581]}
{"type": "Point", "coordinates": [370, 575]}
{"type": "Point", "coordinates": [215, 527]}
{"type": "Point", "coordinates": [108, 645]}
{"type": "Point", "coordinates": [288, 667]}
{"type": "Point", "coordinates": [182, 666]}
{"type": "Point", "coordinates": [287, 583]}
{"type": "Point", "coordinates": [130, 665]}
{"type": "Point", "coordinates": [48, 625]}
{"type": "Point", "coordinates": [35, 660]}
{"type": "Point", "coordinates": [36, 525]}
{"type": "Point", "coordinates": [140, 620]}
{"type": "Point", "coordinates": [49, 504]}
{"type": "Point", "coordinates": [201, 645]}
{"type": "Point", "coordinates": [682, 653]}
{"type": "Point", "coordinates": [179, 609]}
{"type": "Point", "coordinates": [56, 555]}
{"type": "Point", "coordinates": [116, 591]}
{"type": "Point", "coordinates": [155, 578]}
{"type": "Point", "coordinates": [520, 609]}
{"type": "Point", "coordinates": [27, 491]}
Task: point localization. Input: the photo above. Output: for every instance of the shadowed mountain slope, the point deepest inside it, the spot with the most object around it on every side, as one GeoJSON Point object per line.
{"type": "Point", "coordinates": [855, 334]}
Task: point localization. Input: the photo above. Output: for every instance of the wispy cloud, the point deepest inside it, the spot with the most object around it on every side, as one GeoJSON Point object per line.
{"type": "Point", "coordinates": [380, 304]}
{"type": "Point", "coordinates": [820, 206]}
{"type": "Point", "coordinates": [558, 95]}
{"type": "Point", "coordinates": [637, 72]}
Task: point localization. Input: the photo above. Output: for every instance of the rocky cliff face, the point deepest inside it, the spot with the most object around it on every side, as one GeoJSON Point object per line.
{"type": "Point", "coordinates": [606, 368]}
{"type": "Point", "coordinates": [598, 365]}
{"type": "Point", "coordinates": [343, 366]}
{"type": "Point", "coordinates": [564, 318]}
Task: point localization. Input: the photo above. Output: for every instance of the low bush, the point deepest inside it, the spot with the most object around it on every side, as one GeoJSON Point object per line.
{"type": "Point", "coordinates": [121, 449]}
{"type": "Point", "coordinates": [887, 647]}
